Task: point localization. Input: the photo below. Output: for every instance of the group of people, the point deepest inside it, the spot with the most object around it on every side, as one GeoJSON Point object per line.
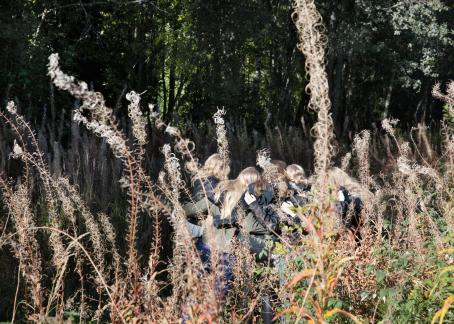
{"type": "Point", "coordinates": [252, 207]}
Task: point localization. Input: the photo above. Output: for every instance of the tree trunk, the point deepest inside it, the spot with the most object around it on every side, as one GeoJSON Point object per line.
{"type": "Point", "coordinates": [164, 90]}
{"type": "Point", "coordinates": [338, 93]}
{"type": "Point", "coordinates": [171, 106]}
{"type": "Point", "coordinates": [388, 97]}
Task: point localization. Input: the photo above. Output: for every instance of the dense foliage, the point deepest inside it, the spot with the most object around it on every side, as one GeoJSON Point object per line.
{"type": "Point", "coordinates": [192, 56]}
{"type": "Point", "coordinates": [95, 186]}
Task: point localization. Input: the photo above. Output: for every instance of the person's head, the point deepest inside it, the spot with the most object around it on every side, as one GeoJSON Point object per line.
{"type": "Point", "coordinates": [281, 165]}
{"type": "Point", "coordinates": [338, 178]}
{"type": "Point", "coordinates": [214, 166]}
{"type": "Point", "coordinates": [295, 173]}
{"type": "Point", "coordinates": [277, 177]}
{"type": "Point", "coordinates": [234, 189]}
{"type": "Point", "coordinates": [248, 176]}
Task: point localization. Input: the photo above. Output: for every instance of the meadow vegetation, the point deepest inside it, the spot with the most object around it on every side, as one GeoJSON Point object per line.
{"type": "Point", "coordinates": [77, 264]}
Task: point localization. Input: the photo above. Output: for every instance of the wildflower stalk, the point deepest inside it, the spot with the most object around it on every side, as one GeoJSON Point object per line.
{"type": "Point", "coordinates": [312, 43]}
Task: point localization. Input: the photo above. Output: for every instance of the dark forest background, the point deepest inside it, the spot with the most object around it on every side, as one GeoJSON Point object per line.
{"type": "Point", "coordinates": [191, 56]}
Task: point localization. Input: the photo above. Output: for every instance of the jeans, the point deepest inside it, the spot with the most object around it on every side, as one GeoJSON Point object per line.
{"type": "Point", "coordinates": [225, 266]}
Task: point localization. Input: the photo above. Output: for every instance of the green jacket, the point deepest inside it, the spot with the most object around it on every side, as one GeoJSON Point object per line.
{"type": "Point", "coordinates": [257, 237]}
{"type": "Point", "coordinates": [223, 235]}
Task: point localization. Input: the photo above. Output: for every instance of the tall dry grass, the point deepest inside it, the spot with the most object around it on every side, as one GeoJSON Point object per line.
{"type": "Point", "coordinates": [75, 261]}
{"type": "Point", "coordinates": [318, 276]}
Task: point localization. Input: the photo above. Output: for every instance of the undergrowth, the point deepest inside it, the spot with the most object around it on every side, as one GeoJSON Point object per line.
{"type": "Point", "coordinates": [74, 263]}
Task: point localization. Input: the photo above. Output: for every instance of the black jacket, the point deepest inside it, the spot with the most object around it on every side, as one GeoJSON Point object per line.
{"type": "Point", "coordinates": [209, 184]}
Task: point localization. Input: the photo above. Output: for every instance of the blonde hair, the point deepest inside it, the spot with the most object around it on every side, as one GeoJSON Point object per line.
{"type": "Point", "coordinates": [295, 173]}
{"type": "Point", "coordinates": [337, 178]}
{"type": "Point", "coordinates": [214, 166]}
{"type": "Point", "coordinates": [281, 165]}
{"type": "Point", "coordinates": [234, 189]}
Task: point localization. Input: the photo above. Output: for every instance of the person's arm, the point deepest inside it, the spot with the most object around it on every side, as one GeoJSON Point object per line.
{"type": "Point", "coordinates": [205, 189]}
{"type": "Point", "coordinates": [228, 222]}
{"type": "Point", "coordinates": [201, 206]}
{"type": "Point", "coordinates": [299, 200]}
{"type": "Point", "coordinates": [210, 186]}
{"type": "Point", "coordinates": [268, 220]}
{"type": "Point", "coordinates": [194, 230]}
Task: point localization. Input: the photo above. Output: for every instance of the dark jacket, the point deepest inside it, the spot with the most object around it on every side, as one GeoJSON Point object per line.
{"type": "Point", "coordinates": [260, 224]}
{"type": "Point", "coordinates": [209, 184]}
{"type": "Point", "coordinates": [351, 221]}
{"type": "Point", "coordinates": [200, 191]}
{"type": "Point", "coordinates": [203, 201]}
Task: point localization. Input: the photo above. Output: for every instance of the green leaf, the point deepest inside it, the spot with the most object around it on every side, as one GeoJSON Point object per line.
{"type": "Point", "coordinates": [380, 276]}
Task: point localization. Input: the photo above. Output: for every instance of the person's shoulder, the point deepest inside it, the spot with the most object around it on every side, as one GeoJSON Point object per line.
{"type": "Point", "coordinates": [212, 180]}
{"type": "Point", "coordinates": [242, 201]}
{"type": "Point", "coordinates": [207, 182]}
{"type": "Point", "coordinates": [268, 195]}
{"type": "Point", "coordinates": [196, 182]}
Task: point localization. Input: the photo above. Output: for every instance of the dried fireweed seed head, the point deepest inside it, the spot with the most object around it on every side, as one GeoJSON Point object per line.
{"type": "Point", "coordinates": [11, 107]}
{"type": "Point", "coordinates": [155, 117]}
{"type": "Point", "coordinates": [405, 149]}
{"type": "Point", "coordinates": [404, 166]}
{"type": "Point", "coordinates": [172, 166]}
{"type": "Point", "coordinates": [137, 119]}
{"type": "Point", "coordinates": [218, 117]}
{"type": "Point", "coordinates": [91, 100]}
{"type": "Point", "coordinates": [263, 158]}
{"type": "Point", "coordinates": [272, 172]}
{"type": "Point", "coordinates": [192, 167]}
{"type": "Point", "coordinates": [448, 97]}
{"type": "Point", "coordinates": [312, 43]}
{"type": "Point", "coordinates": [173, 131]}
{"type": "Point", "coordinates": [389, 124]}
{"type": "Point", "coordinates": [346, 161]}
{"type": "Point", "coordinates": [161, 177]}
{"type": "Point", "coordinates": [185, 146]}
{"type": "Point", "coordinates": [133, 97]}
{"type": "Point", "coordinates": [17, 151]}
{"type": "Point", "coordinates": [221, 136]}
{"type": "Point", "coordinates": [361, 144]}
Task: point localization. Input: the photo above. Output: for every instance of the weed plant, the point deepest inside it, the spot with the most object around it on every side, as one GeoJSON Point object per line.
{"type": "Point", "coordinates": [76, 262]}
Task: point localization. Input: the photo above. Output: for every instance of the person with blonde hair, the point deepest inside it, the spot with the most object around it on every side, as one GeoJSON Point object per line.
{"type": "Point", "coordinates": [295, 173]}
{"type": "Point", "coordinates": [277, 178]}
{"type": "Point", "coordinates": [260, 225]}
{"type": "Point", "coordinates": [281, 165]}
{"type": "Point", "coordinates": [298, 190]}
{"type": "Point", "coordinates": [204, 201]}
{"type": "Point", "coordinates": [337, 178]}
{"type": "Point", "coordinates": [248, 193]}
{"type": "Point", "coordinates": [213, 171]}
{"type": "Point", "coordinates": [348, 201]}
{"type": "Point", "coordinates": [214, 166]}
{"type": "Point", "coordinates": [233, 190]}
{"type": "Point", "coordinates": [247, 196]}
{"type": "Point", "coordinates": [230, 193]}
{"type": "Point", "coordinates": [347, 192]}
